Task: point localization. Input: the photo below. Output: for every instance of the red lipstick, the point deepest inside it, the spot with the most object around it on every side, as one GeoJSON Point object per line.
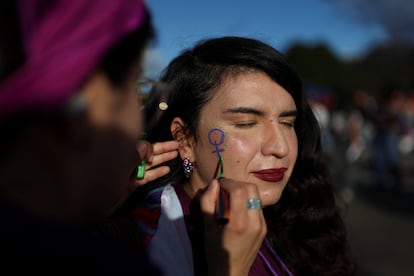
{"type": "Point", "coordinates": [270, 175]}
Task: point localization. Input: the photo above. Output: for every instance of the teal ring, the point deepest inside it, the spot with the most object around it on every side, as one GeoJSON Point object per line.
{"type": "Point", "coordinates": [254, 203]}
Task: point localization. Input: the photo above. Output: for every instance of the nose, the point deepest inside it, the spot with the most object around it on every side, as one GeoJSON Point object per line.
{"type": "Point", "coordinates": [275, 141]}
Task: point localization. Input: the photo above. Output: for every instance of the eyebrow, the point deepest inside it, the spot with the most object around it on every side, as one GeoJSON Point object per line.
{"type": "Point", "coordinates": [249, 110]}
{"type": "Point", "coordinates": [244, 110]}
{"type": "Point", "coordinates": [289, 113]}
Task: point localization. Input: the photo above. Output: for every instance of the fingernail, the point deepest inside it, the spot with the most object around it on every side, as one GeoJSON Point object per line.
{"type": "Point", "coordinates": [212, 185]}
{"type": "Point", "coordinates": [142, 150]}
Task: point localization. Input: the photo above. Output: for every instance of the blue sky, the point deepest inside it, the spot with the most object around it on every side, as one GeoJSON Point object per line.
{"type": "Point", "coordinates": [181, 23]}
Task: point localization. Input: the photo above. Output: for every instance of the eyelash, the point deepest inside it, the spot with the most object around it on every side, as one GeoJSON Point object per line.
{"type": "Point", "coordinates": [289, 124]}
{"type": "Point", "coordinates": [251, 124]}
{"type": "Point", "coordinates": [245, 125]}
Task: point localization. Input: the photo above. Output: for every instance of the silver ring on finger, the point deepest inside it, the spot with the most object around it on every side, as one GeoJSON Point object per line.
{"type": "Point", "coordinates": [254, 203]}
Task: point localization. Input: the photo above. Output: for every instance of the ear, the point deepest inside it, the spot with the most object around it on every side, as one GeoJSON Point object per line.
{"type": "Point", "coordinates": [185, 141]}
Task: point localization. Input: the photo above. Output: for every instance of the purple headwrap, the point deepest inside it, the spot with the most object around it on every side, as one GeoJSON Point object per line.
{"type": "Point", "coordinates": [64, 41]}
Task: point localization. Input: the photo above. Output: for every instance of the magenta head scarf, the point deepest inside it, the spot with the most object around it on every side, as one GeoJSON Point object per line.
{"type": "Point", "coordinates": [64, 41]}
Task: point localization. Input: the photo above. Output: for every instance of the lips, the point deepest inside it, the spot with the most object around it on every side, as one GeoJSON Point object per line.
{"type": "Point", "coordinates": [270, 175]}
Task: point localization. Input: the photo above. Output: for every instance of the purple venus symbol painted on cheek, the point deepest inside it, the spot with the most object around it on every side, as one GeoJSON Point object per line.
{"type": "Point", "coordinates": [216, 138]}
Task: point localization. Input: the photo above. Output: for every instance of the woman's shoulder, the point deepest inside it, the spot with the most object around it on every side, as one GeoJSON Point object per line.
{"type": "Point", "coordinates": [147, 213]}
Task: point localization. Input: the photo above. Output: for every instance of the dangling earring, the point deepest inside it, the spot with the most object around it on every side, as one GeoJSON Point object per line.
{"type": "Point", "coordinates": [188, 167]}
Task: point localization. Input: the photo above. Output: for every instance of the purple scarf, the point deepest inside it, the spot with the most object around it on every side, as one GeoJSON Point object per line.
{"type": "Point", "coordinates": [64, 41]}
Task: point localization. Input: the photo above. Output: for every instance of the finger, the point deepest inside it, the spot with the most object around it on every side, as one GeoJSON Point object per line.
{"type": "Point", "coordinates": [162, 147]}
{"type": "Point", "coordinates": [150, 152]}
{"type": "Point", "coordinates": [255, 216]}
{"type": "Point", "coordinates": [151, 175]}
{"type": "Point", "coordinates": [161, 158]}
{"type": "Point", "coordinates": [237, 196]}
{"type": "Point", "coordinates": [240, 193]}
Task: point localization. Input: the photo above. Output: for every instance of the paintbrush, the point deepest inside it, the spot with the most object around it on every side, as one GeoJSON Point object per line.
{"type": "Point", "coordinates": [222, 207]}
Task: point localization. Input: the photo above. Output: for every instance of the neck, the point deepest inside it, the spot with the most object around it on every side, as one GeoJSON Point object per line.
{"type": "Point", "coordinates": [190, 190]}
{"type": "Point", "coordinates": [194, 184]}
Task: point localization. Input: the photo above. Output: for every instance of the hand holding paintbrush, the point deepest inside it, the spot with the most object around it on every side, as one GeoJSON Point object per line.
{"type": "Point", "coordinates": [222, 207]}
{"type": "Point", "coordinates": [233, 232]}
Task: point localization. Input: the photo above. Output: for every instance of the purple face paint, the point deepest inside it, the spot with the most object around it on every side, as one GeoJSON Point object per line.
{"type": "Point", "coordinates": [216, 138]}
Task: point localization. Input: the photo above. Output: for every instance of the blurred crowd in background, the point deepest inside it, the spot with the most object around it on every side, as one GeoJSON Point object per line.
{"type": "Point", "coordinates": [368, 138]}
{"type": "Point", "coordinates": [375, 132]}
{"type": "Point", "coordinates": [365, 106]}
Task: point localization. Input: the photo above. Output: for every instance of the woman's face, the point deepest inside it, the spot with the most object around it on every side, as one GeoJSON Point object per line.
{"type": "Point", "coordinates": [250, 123]}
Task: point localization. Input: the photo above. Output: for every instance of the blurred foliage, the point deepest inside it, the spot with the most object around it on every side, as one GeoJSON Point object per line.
{"type": "Point", "coordinates": [382, 67]}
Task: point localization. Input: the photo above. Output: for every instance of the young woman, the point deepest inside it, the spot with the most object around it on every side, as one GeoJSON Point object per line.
{"type": "Point", "coordinates": [238, 112]}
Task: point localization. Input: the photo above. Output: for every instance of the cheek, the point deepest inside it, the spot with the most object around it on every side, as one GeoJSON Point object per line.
{"type": "Point", "coordinates": [129, 116]}
{"type": "Point", "coordinates": [238, 153]}
{"type": "Point", "coordinates": [131, 122]}
{"type": "Point", "coordinates": [293, 148]}
{"type": "Point", "coordinates": [238, 146]}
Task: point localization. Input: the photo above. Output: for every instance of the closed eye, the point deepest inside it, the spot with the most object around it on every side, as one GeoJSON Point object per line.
{"type": "Point", "coordinates": [243, 117]}
{"type": "Point", "coordinates": [288, 118]}
{"type": "Point", "coordinates": [289, 124]}
{"type": "Point", "coordinates": [245, 124]}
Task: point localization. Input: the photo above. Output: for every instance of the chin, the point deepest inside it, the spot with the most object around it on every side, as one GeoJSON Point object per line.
{"type": "Point", "coordinates": [269, 199]}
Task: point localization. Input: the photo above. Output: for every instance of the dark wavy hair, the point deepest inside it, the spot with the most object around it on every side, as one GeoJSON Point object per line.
{"type": "Point", "coordinates": [305, 226]}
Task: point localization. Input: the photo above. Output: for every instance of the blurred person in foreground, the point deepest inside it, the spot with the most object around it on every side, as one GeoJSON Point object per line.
{"type": "Point", "coordinates": [69, 122]}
